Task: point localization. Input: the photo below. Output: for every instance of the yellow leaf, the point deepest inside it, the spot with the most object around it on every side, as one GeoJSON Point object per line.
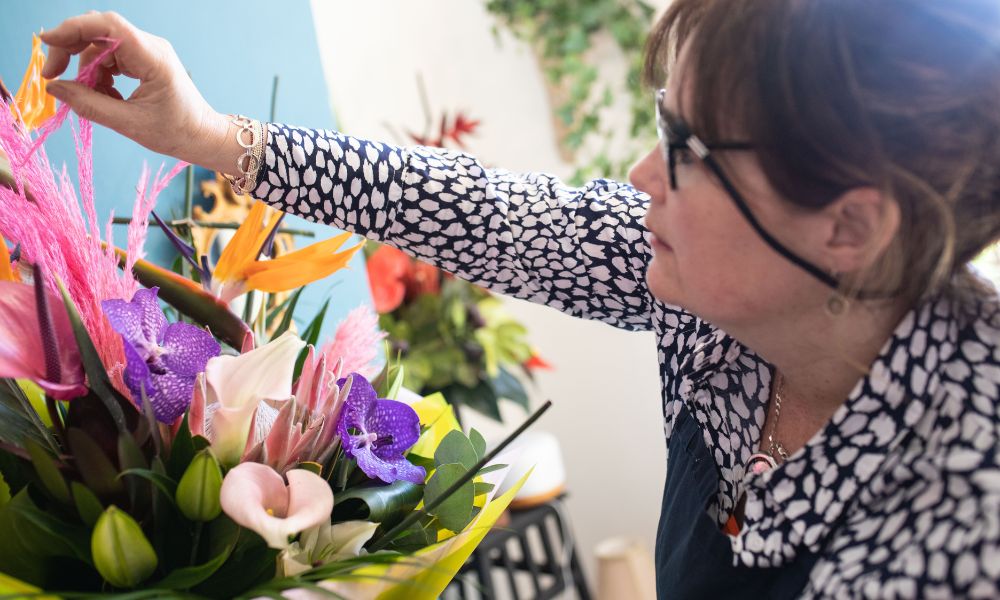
{"type": "Point", "coordinates": [34, 103]}
{"type": "Point", "coordinates": [436, 413]}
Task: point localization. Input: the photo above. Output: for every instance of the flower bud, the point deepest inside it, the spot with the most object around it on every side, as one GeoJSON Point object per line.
{"type": "Point", "coordinates": [198, 492]}
{"type": "Point", "coordinates": [122, 554]}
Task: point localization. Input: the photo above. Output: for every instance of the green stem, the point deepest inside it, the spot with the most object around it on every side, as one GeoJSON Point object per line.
{"type": "Point", "coordinates": [197, 539]}
{"type": "Point", "coordinates": [211, 225]}
{"type": "Point", "coordinates": [415, 516]}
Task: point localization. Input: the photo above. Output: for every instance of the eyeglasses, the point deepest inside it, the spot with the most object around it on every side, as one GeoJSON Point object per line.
{"type": "Point", "coordinates": [675, 136]}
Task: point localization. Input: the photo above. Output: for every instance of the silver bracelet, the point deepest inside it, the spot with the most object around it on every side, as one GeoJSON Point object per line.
{"type": "Point", "coordinates": [251, 137]}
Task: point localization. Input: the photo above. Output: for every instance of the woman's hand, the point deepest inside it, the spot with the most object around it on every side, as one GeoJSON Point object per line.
{"type": "Point", "coordinates": [166, 113]}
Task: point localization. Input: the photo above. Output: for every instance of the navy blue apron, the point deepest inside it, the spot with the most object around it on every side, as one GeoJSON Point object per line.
{"type": "Point", "coordinates": [694, 558]}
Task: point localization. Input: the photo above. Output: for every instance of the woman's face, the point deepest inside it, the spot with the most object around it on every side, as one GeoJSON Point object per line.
{"type": "Point", "coordinates": [706, 257]}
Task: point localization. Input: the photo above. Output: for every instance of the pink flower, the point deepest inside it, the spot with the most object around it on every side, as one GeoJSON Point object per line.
{"type": "Point", "coordinates": [40, 349]}
{"type": "Point", "coordinates": [355, 343]}
{"type": "Point", "coordinates": [255, 496]}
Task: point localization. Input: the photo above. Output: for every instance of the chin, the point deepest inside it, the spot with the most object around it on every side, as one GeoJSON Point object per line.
{"type": "Point", "coordinates": [662, 286]}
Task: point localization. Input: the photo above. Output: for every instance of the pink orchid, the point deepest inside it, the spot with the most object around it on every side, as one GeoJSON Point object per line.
{"type": "Point", "coordinates": [36, 341]}
{"type": "Point", "coordinates": [255, 496]}
{"type": "Point", "coordinates": [229, 401]}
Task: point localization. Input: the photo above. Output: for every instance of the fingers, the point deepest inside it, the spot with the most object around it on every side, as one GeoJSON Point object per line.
{"type": "Point", "coordinates": [80, 34]}
{"type": "Point", "coordinates": [103, 106]}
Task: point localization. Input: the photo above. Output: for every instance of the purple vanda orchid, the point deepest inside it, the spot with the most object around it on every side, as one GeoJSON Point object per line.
{"type": "Point", "coordinates": [161, 358]}
{"type": "Point", "coordinates": [376, 432]}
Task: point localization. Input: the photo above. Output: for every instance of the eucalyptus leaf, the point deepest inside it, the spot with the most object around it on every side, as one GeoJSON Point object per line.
{"type": "Point", "coordinates": [456, 448]}
{"type": "Point", "coordinates": [491, 468]}
{"type": "Point", "coordinates": [478, 443]}
{"type": "Point", "coordinates": [482, 487]}
{"type": "Point", "coordinates": [456, 511]}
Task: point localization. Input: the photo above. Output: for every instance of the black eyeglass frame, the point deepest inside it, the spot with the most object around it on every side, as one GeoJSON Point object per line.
{"type": "Point", "coordinates": [674, 134]}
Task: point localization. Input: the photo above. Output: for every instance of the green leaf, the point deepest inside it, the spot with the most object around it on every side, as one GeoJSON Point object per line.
{"type": "Point", "coordinates": [311, 334]}
{"type": "Point", "coordinates": [48, 473]}
{"type": "Point", "coordinates": [379, 503]}
{"type": "Point", "coordinates": [481, 398]}
{"type": "Point", "coordinates": [97, 374]}
{"type": "Point", "coordinates": [4, 492]}
{"type": "Point", "coordinates": [188, 577]}
{"type": "Point", "coordinates": [163, 482]}
{"type": "Point", "coordinates": [94, 466]}
{"type": "Point", "coordinates": [456, 448]}
{"type": "Point", "coordinates": [481, 487]}
{"type": "Point", "coordinates": [87, 504]}
{"type": "Point", "coordinates": [478, 443]}
{"type": "Point", "coordinates": [507, 386]}
{"type": "Point", "coordinates": [182, 451]}
{"type": "Point", "coordinates": [47, 533]}
{"type": "Point", "coordinates": [286, 320]}
{"type": "Point", "coordinates": [394, 380]}
{"type": "Point", "coordinates": [18, 418]}
{"type": "Point", "coordinates": [131, 457]}
{"type": "Point", "coordinates": [491, 468]}
{"type": "Point", "coordinates": [456, 511]}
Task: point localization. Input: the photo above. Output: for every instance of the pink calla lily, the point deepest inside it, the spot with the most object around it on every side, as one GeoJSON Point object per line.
{"type": "Point", "coordinates": [255, 496]}
{"type": "Point", "coordinates": [236, 385]}
{"type": "Point", "coordinates": [23, 346]}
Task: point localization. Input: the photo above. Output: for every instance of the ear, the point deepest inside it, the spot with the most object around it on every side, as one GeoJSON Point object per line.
{"type": "Point", "coordinates": [864, 222]}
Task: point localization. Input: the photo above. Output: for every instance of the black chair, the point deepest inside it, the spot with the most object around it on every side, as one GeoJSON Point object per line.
{"type": "Point", "coordinates": [532, 558]}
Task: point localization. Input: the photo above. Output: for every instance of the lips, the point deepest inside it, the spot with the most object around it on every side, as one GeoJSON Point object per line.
{"type": "Point", "coordinates": [657, 243]}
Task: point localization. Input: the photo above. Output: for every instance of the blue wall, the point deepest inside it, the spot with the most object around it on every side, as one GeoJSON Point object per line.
{"type": "Point", "coordinates": [233, 50]}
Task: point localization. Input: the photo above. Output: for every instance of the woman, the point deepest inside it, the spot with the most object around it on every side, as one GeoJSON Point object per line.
{"type": "Point", "coordinates": [799, 241]}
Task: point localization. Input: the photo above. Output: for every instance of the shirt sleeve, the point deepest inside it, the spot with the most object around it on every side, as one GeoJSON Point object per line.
{"type": "Point", "coordinates": [581, 250]}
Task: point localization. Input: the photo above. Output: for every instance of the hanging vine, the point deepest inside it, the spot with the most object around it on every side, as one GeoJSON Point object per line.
{"type": "Point", "coordinates": [563, 32]}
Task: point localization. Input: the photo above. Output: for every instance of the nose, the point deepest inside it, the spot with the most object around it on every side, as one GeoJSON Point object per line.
{"type": "Point", "coordinates": [649, 174]}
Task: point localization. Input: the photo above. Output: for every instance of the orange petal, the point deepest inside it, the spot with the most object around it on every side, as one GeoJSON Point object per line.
{"type": "Point", "coordinates": [35, 104]}
{"type": "Point", "coordinates": [6, 272]}
{"type": "Point", "coordinates": [241, 251]}
{"type": "Point", "coordinates": [300, 268]}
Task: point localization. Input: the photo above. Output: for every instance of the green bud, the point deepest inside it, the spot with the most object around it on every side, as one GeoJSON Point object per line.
{"type": "Point", "coordinates": [122, 554]}
{"type": "Point", "coordinates": [198, 492]}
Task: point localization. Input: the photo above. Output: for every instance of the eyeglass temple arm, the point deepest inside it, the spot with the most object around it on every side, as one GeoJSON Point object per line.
{"type": "Point", "coordinates": [700, 149]}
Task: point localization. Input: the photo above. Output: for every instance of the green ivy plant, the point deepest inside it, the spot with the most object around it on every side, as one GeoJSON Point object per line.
{"type": "Point", "coordinates": [563, 31]}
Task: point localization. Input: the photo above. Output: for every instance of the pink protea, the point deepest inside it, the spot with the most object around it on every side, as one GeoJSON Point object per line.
{"type": "Point", "coordinates": [355, 345]}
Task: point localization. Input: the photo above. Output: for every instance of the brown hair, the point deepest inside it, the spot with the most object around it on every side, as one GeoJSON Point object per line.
{"type": "Point", "coordinates": [902, 95]}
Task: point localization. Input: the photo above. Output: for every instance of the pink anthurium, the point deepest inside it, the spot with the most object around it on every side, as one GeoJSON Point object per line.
{"type": "Point", "coordinates": [235, 388]}
{"type": "Point", "coordinates": [36, 341]}
{"type": "Point", "coordinates": [256, 497]}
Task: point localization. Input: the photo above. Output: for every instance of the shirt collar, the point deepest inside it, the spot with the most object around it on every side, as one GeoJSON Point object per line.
{"type": "Point", "coordinates": [795, 506]}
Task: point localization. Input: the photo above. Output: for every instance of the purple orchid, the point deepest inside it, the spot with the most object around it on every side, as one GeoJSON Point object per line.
{"type": "Point", "coordinates": [376, 431]}
{"type": "Point", "coordinates": [162, 358]}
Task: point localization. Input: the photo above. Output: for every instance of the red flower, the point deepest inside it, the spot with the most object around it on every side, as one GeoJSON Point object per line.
{"type": "Point", "coordinates": [396, 278]}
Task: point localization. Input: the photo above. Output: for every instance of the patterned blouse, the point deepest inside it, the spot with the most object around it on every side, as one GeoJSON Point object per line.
{"type": "Point", "coordinates": [899, 494]}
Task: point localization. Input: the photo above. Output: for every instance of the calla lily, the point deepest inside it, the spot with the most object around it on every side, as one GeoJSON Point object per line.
{"type": "Point", "coordinates": [255, 496]}
{"type": "Point", "coordinates": [236, 385]}
{"type": "Point", "coordinates": [33, 102]}
{"type": "Point", "coordinates": [326, 543]}
{"type": "Point", "coordinates": [40, 349]}
{"type": "Point", "coordinates": [239, 270]}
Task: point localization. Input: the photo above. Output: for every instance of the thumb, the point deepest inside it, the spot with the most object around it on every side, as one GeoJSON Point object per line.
{"type": "Point", "coordinates": [90, 104]}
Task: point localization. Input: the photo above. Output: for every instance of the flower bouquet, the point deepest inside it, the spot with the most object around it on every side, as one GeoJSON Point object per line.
{"type": "Point", "coordinates": [203, 456]}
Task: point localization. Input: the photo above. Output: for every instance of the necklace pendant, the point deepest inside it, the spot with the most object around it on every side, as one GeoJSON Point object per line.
{"type": "Point", "coordinates": [759, 463]}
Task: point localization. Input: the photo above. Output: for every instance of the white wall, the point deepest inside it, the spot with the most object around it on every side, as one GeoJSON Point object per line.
{"type": "Point", "coordinates": [605, 388]}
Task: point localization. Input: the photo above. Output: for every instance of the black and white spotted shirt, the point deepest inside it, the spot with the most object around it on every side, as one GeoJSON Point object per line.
{"type": "Point", "coordinates": [899, 494]}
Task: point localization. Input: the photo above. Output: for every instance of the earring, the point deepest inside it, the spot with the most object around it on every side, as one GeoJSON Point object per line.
{"type": "Point", "coordinates": [837, 304]}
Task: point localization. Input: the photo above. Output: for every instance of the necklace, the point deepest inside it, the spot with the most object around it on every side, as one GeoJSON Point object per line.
{"type": "Point", "coordinates": [761, 462]}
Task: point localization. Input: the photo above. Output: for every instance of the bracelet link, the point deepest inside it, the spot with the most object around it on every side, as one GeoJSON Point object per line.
{"type": "Point", "coordinates": [251, 137]}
